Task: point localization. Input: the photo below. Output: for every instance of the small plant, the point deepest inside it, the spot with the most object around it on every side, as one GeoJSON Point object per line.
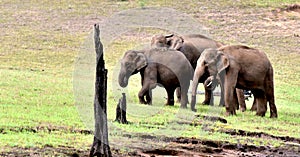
{"type": "Point", "coordinates": [142, 3]}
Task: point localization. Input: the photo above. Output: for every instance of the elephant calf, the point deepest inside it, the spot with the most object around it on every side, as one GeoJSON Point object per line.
{"type": "Point", "coordinates": [240, 67]}
{"type": "Point", "coordinates": [162, 66]}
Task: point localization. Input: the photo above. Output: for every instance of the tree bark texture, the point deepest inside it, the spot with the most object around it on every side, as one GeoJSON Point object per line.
{"type": "Point", "coordinates": [100, 146]}
{"type": "Point", "coordinates": [121, 110]}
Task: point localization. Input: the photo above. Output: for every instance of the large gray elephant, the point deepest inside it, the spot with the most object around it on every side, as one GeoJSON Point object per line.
{"type": "Point", "coordinates": [166, 67]}
{"type": "Point", "coordinates": [191, 46]}
{"type": "Point", "coordinates": [241, 67]}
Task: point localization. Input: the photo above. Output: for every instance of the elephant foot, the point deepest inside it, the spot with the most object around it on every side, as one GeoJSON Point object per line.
{"type": "Point", "coordinates": [194, 110]}
{"type": "Point", "coordinates": [261, 114]}
{"type": "Point", "coordinates": [253, 108]}
{"type": "Point", "coordinates": [170, 103]}
{"type": "Point", "coordinates": [230, 112]}
{"type": "Point", "coordinates": [149, 102]}
{"type": "Point", "coordinates": [143, 102]}
{"type": "Point", "coordinates": [206, 103]}
{"type": "Point", "coordinates": [243, 109]}
{"type": "Point", "coordinates": [273, 116]}
{"type": "Point", "coordinates": [183, 106]}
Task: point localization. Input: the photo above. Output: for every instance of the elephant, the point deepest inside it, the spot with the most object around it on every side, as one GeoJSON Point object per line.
{"type": "Point", "coordinates": [238, 66]}
{"type": "Point", "coordinates": [191, 46]}
{"type": "Point", "coordinates": [157, 66]}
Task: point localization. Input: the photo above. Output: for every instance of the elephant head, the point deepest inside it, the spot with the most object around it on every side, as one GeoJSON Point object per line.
{"type": "Point", "coordinates": [170, 41]}
{"type": "Point", "coordinates": [175, 42]}
{"type": "Point", "coordinates": [131, 63]}
{"type": "Point", "coordinates": [212, 62]}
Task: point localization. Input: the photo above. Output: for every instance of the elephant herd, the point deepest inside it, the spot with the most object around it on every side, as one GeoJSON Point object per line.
{"type": "Point", "coordinates": [173, 61]}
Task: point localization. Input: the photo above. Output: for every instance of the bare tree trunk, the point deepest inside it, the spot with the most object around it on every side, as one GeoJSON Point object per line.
{"type": "Point", "coordinates": [100, 146]}
{"type": "Point", "coordinates": [121, 110]}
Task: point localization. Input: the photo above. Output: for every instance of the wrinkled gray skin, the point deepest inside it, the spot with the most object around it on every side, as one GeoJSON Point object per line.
{"type": "Point", "coordinates": [238, 67]}
{"type": "Point", "coordinates": [191, 46]}
{"type": "Point", "coordinates": [157, 66]}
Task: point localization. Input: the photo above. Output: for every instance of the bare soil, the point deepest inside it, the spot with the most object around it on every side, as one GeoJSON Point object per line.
{"type": "Point", "coordinates": [174, 147]}
{"type": "Point", "coordinates": [145, 145]}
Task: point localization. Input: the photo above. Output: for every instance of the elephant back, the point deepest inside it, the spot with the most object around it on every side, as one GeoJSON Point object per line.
{"type": "Point", "coordinates": [243, 53]}
{"type": "Point", "coordinates": [200, 42]}
{"type": "Point", "coordinates": [172, 59]}
{"type": "Point", "coordinates": [247, 57]}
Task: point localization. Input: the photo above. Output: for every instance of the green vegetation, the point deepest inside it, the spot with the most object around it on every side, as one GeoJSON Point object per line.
{"type": "Point", "coordinates": [40, 41]}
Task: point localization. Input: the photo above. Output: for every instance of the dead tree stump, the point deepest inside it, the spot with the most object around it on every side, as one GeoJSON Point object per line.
{"type": "Point", "coordinates": [121, 110]}
{"type": "Point", "coordinates": [100, 146]}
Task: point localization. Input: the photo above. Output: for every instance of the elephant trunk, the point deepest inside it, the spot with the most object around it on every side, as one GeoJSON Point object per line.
{"type": "Point", "coordinates": [176, 47]}
{"type": "Point", "coordinates": [198, 73]}
{"type": "Point", "coordinates": [210, 83]}
{"type": "Point", "coordinates": [123, 79]}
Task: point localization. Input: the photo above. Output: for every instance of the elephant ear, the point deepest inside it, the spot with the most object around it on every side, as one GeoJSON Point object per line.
{"type": "Point", "coordinates": [140, 61]}
{"type": "Point", "coordinates": [222, 62]}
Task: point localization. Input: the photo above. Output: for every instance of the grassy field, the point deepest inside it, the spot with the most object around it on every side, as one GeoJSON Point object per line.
{"type": "Point", "coordinates": [46, 95]}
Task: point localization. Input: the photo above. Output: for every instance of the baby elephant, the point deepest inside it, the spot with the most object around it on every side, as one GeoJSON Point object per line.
{"type": "Point", "coordinates": [170, 68]}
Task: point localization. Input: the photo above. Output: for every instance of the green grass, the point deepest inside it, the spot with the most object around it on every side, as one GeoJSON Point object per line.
{"type": "Point", "coordinates": [38, 78]}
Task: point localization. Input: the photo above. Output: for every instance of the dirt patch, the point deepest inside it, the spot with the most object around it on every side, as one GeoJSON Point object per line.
{"type": "Point", "coordinates": [195, 147]}
{"type": "Point", "coordinates": [295, 8]}
{"type": "Point", "coordinates": [174, 147]}
{"type": "Point", "coordinates": [261, 135]}
{"type": "Point", "coordinates": [45, 151]}
{"type": "Point", "coordinates": [48, 129]}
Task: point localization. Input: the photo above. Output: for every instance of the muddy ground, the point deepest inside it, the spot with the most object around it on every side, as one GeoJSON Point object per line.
{"type": "Point", "coordinates": [145, 145]}
{"type": "Point", "coordinates": [142, 145]}
{"type": "Point", "coordinates": [260, 23]}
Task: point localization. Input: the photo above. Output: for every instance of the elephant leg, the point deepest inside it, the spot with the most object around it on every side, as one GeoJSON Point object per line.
{"type": "Point", "coordinates": [261, 103]}
{"type": "Point", "coordinates": [149, 97]}
{"type": "Point", "coordinates": [222, 100]}
{"type": "Point", "coordinates": [142, 91]}
{"type": "Point", "coordinates": [261, 107]}
{"type": "Point", "coordinates": [184, 98]}
{"type": "Point", "coordinates": [142, 94]}
{"type": "Point", "coordinates": [170, 100]}
{"type": "Point", "coordinates": [254, 105]}
{"type": "Point", "coordinates": [241, 99]}
{"type": "Point", "coordinates": [230, 93]}
{"type": "Point", "coordinates": [149, 80]}
{"type": "Point", "coordinates": [178, 94]}
{"type": "Point", "coordinates": [209, 97]}
{"type": "Point", "coordinates": [230, 104]}
{"type": "Point", "coordinates": [235, 99]}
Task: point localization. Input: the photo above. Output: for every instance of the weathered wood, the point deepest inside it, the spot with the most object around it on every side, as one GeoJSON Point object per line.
{"type": "Point", "coordinates": [121, 110]}
{"type": "Point", "coordinates": [100, 146]}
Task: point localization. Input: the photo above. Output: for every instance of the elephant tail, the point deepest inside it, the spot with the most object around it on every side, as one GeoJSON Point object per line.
{"type": "Point", "coordinates": [270, 92]}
